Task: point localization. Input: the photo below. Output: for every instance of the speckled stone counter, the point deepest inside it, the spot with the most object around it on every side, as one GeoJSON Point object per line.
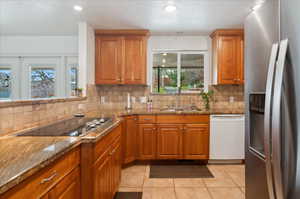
{"type": "Point", "coordinates": [20, 157]}
{"type": "Point", "coordinates": [118, 113]}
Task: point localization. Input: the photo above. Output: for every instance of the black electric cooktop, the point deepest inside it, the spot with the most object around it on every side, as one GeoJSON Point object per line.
{"type": "Point", "coordinates": [70, 127]}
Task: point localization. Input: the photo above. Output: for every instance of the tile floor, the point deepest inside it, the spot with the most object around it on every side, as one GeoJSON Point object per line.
{"type": "Point", "coordinates": [228, 183]}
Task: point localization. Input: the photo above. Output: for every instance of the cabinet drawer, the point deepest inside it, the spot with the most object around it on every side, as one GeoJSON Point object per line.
{"type": "Point", "coordinates": [106, 142]}
{"type": "Point", "coordinates": [147, 119]}
{"type": "Point", "coordinates": [43, 181]}
{"type": "Point", "coordinates": [182, 119]}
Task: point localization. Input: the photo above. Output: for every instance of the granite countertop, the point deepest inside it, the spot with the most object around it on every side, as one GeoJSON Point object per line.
{"type": "Point", "coordinates": [21, 157]}
{"type": "Point", "coordinates": [160, 112]}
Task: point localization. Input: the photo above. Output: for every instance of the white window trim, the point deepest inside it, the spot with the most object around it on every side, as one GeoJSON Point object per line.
{"type": "Point", "coordinates": [21, 76]}
{"type": "Point", "coordinates": [180, 52]}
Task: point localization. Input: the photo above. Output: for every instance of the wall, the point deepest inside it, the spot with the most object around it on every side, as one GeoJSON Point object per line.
{"type": "Point", "coordinates": [116, 99]}
{"type": "Point", "coordinates": [19, 117]}
{"type": "Point", "coordinates": [29, 114]}
{"type": "Point", "coordinates": [38, 45]}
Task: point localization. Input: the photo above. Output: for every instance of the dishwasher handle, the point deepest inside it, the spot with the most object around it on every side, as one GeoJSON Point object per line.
{"type": "Point", "coordinates": [227, 117]}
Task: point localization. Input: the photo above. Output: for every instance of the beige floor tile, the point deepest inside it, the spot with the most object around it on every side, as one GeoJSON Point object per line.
{"type": "Point", "coordinates": [159, 193]}
{"type": "Point", "coordinates": [135, 169]}
{"type": "Point", "coordinates": [221, 179]}
{"type": "Point", "coordinates": [188, 182]}
{"type": "Point", "coordinates": [130, 189]}
{"type": "Point", "coordinates": [234, 168]}
{"type": "Point", "coordinates": [158, 182]}
{"type": "Point", "coordinates": [147, 172]}
{"type": "Point", "coordinates": [192, 193]}
{"type": "Point", "coordinates": [226, 193]}
{"type": "Point", "coordinates": [238, 177]}
{"type": "Point", "coordinates": [132, 179]}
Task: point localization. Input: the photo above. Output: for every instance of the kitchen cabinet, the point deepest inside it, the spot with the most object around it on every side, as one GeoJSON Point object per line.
{"type": "Point", "coordinates": [130, 139]}
{"type": "Point", "coordinates": [121, 57]}
{"type": "Point", "coordinates": [59, 180]}
{"type": "Point", "coordinates": [68, 188]}
{"type": "Point", "coordinates": [147, 141]}
{"type": "Point", "coordinates": [169, 141]}
{"type": "Point", "coordinates": [196, 141]}
{"type": "Point", "coordinates": [228, 56]}
{"type": "Point", "coordinates": [171, 137]}
{"type": "Point", "coordinates": [101, 166]}
{"type": "Point", "coordinates": [135, 60]}
{"type": "Point", "coordinates": [108, 60]}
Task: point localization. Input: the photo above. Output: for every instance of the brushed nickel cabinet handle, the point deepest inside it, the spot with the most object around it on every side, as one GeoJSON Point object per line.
{"type": "Point", "coordinates": [45, 180]}
{"type": "Point", "coordinates": [147, 119]}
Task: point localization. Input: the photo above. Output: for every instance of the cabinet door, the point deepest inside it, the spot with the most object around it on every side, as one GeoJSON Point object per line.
{"type": "Point", "coordinates": [102, 182]}
{"type": "Point", "coordinates": [68, 188]}
{"type": "Point", "coordinates": [115, 168]}
{"type": "Point", "coordinates": [109, 54]}
{"type": "Point", "coordinates": [147, 141]}
{"type": "Point", "coordinates": [227, 60]}
{"type": "Point", "coordinates": [135, 60]}
{"type": "Point", "coordinates": [196, 141]}
{"type": "Point", "coordinates": [240, 57]}
{"type": "Point", "coordinates": [169, 141]}
{"type": "Point", "coordinates": [130, 142]}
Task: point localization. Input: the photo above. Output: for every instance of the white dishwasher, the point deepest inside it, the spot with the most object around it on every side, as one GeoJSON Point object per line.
{"type": "Point", "coordinates": [227, 137]}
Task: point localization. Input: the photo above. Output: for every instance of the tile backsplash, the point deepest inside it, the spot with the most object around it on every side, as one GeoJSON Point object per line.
{"type": "Point", "coordinates": [18, 117]}
{"type": "Point", "coordinates": [111, 98]}
{"type": "Point", "coordinates": [226, 98]}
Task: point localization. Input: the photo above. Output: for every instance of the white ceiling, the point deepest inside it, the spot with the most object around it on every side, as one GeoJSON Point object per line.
{"type": "Point", "coordinates": [57, 17]}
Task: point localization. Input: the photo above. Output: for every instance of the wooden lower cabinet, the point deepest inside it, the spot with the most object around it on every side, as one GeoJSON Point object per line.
{"type": "Point", "coordinates": [68, 188]}
{"type": "Point", "coordinates": [130, 139]}
{"type": "Point", "coordinates": [101, 166]}
{"type": "Point", "coordinates": [59, 180]}
{"type": "Point", "coordinates": [102, 184]}
{"type": "Point", "coordinates": [147, 141]}
{"type": "Point", "coordinates": [195, 141]}
{"type": "Point", "coordinates": [169, 141]}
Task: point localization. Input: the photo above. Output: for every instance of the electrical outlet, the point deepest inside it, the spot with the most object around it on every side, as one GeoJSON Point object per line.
{"type": "Point", "coordinates": [143, 100]}
{"type": "Point", "coordinates": [102, 99]}
{"type": "Point", "coordinates": [231, 99]}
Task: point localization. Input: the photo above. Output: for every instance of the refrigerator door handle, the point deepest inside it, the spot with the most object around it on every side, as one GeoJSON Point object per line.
{"type": "Point", "coordinates": [267, 120]}
{"type": "Point", "coordinates": [276, 121]}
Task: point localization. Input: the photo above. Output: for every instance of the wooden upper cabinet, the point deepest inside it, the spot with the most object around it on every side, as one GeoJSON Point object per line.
{"type": "Point", "coordinates": [135, 60]}
{"type": "Point", "coordinates": [108, 60]}
{"type": "Point", "coordinates": [121, 56]}
{"type": "Point", "coordinates": [228, 56]}
{"type": "Point", "coordinates": [169, 141]}
{"type": "Point", "coordinates": [196, 141]}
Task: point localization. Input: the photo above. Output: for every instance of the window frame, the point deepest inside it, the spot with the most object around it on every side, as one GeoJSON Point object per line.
{"type": "Point", "coordinates": [179, 53]}
{"type": "Point", "coordinates": [21, 74]}
{"type": "Point", "coordinates": [14, 62]}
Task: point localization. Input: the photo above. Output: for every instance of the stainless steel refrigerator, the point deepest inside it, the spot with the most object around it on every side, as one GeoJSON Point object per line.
{"type": "Point", "coordinates": [272, 95]}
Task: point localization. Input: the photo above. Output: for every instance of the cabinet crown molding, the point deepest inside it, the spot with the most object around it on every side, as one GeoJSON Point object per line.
{"type": "Point", "coordinates": [220, 32]}
{"type": "Point", "coordinates": [137, 32]}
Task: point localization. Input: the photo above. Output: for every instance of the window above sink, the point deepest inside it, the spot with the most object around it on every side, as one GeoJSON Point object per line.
{"type": "Point", "coordinates": [179, 71]}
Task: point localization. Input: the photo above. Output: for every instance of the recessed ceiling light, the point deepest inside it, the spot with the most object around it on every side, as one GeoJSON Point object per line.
{"type": "Point", "coordinates": [170, 8]}
{"type": "Point", "coordinates": [77, 8]}
{"type": "Point", "coordinates": [165, 54]}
